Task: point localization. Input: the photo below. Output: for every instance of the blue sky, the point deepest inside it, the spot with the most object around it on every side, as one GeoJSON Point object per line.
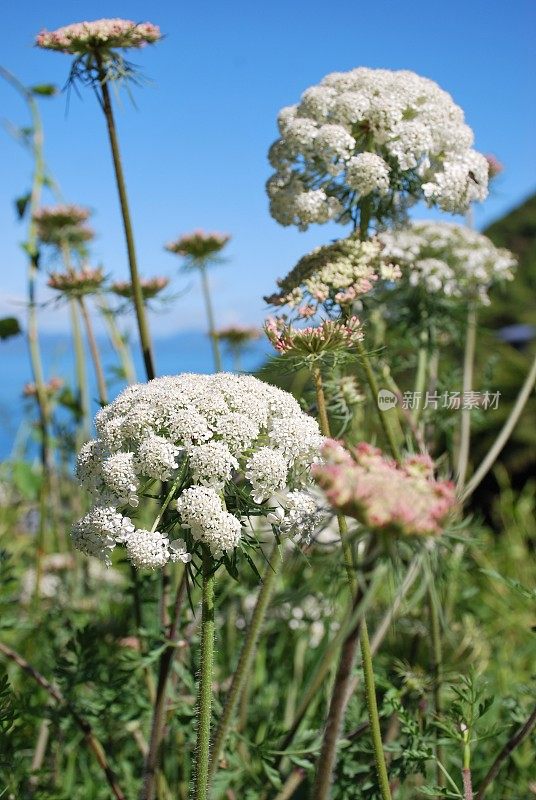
{"type": "Point", "coordinates": [195, 147]}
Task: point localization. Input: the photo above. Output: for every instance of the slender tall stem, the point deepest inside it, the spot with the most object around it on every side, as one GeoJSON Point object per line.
{"type": "Point", "coordinates": [79, 352]}
{"type": "Point", "coordinates": [374, 719]}
{"type": "Point", "coordinates": [201, 785]}
{"type": "Point", "coordinates": [164, 671]}
{"type": "Point", "coordinates": [210, 317]}
{"type": "Point", "coordinates": [504, 434]}
{"type": "Point", "coordinates": [95, 355]}
{"type": "Point", "coordinates": [468, 368]}
{"type": "Point", "coordinates": [246, 655]}
{"type": "Point", "coordinates": [139, 305]}
{"type": "Point", "coordinates": [385, 417]}
{"type": "Point", "coordinates": [119, 342]}
{"type": "Point", "coordinates": [38, 180]}
{"type": "Point", "coordinates": [337, 709]}
{"type": "Point", "coordinates": [437, 668]}
{"type": "Point", "coordinates": [323, 420]}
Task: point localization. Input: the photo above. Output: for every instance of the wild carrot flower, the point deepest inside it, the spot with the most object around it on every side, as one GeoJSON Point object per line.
{"type": "Point", "coordinates": [334, 275]}
{"type": "Point", "coordinates": [449, 259]}
{"type": "Point", "coordinates": [384, 496]}
{"type": "Point", "coordinates": [329, 337]}
{"type": "Point", "coordinates": [198, 246]}
{"type": "Point", "coordinates": [63, 224]}
{"type": "Point", "coordinates": [77, 284]}
{"type": "Point", "coordinates": [227, 444]}
{"type": "Point", "coordinates": [377, 138]}
{"type": "Point", "coordinates": [150, 287]}
{"type": "Point", "coordinates": [102, 34]}
{"type": "Point", "coordinates": [52, 387]}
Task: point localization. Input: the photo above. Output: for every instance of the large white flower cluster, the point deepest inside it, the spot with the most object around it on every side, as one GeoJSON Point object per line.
{"type": "Point", "coordinates": [335, 274]}
{"type": "Point", "coordinates": [390, 137]}
{"type": "Point", "coordinates": [448, 258]}
{"type": "Point", "coordinates": [224, 441]}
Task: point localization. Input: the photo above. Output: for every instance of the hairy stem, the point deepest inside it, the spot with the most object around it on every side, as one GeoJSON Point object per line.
{"type": "Point", "coordinates": [246, 655]}
{"type": "Point", "coordinates": [210, 316]}
{"type": "Point", "coordinates": [374, 718]}
{"type": "Point", "coordinates": [468, 368]}
{"type": "Point", "coordinates": [141, 315]}
{"type": "Point", "coordinates": [90, 739]}
{"type": "Point", "coordinates": [504, 434]}
{"type": "Point", "coordinates": [467, 784]}
{"type": "Point", "coordinates": [201, 784]}
{"type": "Point", "coordinates": [95, 355]}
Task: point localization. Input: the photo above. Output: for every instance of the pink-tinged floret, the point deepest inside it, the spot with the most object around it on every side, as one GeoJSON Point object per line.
{"type": "Point", "coordinates": [383, 495]}
{"type": "Point", "coordinates": [101, 34]}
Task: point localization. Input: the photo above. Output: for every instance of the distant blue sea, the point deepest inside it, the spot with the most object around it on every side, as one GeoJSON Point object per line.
{"type": "Point", "coordinates": [182, 352]}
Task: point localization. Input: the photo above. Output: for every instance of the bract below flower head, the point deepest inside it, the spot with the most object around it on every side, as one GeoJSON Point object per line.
{"type": "Point", "coordinates": [83, 282]}
{"type": "Point", "coordinates": [198, 245]}
{"type": "Point", "coordinates": [102, 34]}
{"type": "Point", "coordinates": [383, 495]}
{"type": "Point", "coordinates": [63, 223]}
{"type": "Point", "coordinates": [150, 287]}
{"type": "Point", "coordinates": [330, 336]}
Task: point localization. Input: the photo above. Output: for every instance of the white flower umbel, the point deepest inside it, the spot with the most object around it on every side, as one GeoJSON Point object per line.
{"type": "Point", "coordinates": [391, 138]}
{"type": "Point", "coordinates": [447, 258]}
{"type": "Point", "coordinates": [209, 448]}
{"type": "Point", "coordinates": [147, 549]}
{"type": "Point", "coordinates": [97, 533]}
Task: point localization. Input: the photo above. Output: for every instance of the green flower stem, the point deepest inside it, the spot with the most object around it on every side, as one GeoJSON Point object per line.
{"type": "Point", "coordinates": [468, 368]}
{"type": "Point", "coordinates": [159, 706]}
{"type": "Point", "coordinates": [201, 784]}
{"type": "Point", "coordinates": [95, 355]}
{"type": "Point", "coordinates": [210, 316]}
{"type": "Point", "coordinates": [420, 379]}
{"type": "Point", "coordinates": [504, 434]}
{"type": "Point", "coordinates": [466, 769]}
{"type": "Point", "coordinates": [372, 706]}
{"type": "Point", "coordinates": [246, 655]}
{"type": "Point", "coordinates": [385, 417]}
{"type": "Point", "coordinates": [30, 246]}
{"type": "Point", "coordinates": [437, 668]}
{"type": "Point", "coordinates": [79, 351]}
{"type": "Point", "coordinates": [323, 420]}
{"type": "Point", "coordinates": [80, 369]}
{"type": "Point", "coordinates": [139, 305]}
{"type": "Point", "coordinates": [119, 343]}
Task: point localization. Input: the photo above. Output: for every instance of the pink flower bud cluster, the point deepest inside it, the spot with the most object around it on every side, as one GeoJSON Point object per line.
{"type": "Point", "coordinates": [101, 34]}
{"type": "Point", "coordinates": [198, 245]}
{"type": "Point", "coordinates": [383, 495]}
{"type": "Point", "coordinates": [85, 281]}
